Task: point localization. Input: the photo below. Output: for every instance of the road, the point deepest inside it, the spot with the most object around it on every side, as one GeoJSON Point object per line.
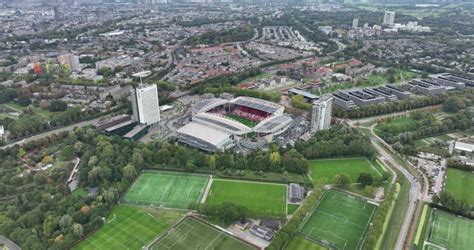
{"type": "Point", "coordinates": [415, 194]}
{"type": "Point", "coordinates": [54, 131]}
{"type": "Point", "coordinates": [340, 46]}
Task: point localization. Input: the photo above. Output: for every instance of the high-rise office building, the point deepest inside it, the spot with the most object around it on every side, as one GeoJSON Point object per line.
{"type": "Point", "coordinates": [145, 104]}
{"type": "Point", "coordinates": [355, 23]}
{"type": "Point", "coordinates": [389, 18]}
{"type": "Point", "coordinates": [321, 115]}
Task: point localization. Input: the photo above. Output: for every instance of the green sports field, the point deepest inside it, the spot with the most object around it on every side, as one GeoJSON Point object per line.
{"type": "Point", "coordinates": [129, 227]}
{"type": "Point", "coordinates": [460, 184]}
{"type": "Point", "coordinates": [264, 199]}
{"type": "Point", "coordinates": [174, 190]}
{"type": "Point", "coordinates": [339, 221]}
{"type": "Point", "coordinates": [299, 243]}
{"type": "Point", "coordinates": [324, 171]}
{"type": "Point", "coordinates": [190, 234]}
{"type": "Point", "coordinates": [447, 231]}
{"type": "Point", "coordinates": [242, 120]}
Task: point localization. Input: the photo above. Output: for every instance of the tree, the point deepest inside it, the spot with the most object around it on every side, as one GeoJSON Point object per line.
{"type": "Point", "coordinates": [47, 159]}
{"type": "Point", "coordinates": [453, 104]}
{"type": "Point", "coordinates": [67, 153]}
{"type": "Point", "coordinates": [65, 221]}
{"type": "Point", "coordinates": [342, 180]}
{"type": "Point", "coordinates": [111, 195]}
{"type": "Point", "coordinates": [77, 230]}
{"type": "Point", "coordinates": [129, 172]}
{"type": "Point", "coordinates": [275, 159]}
{"type": "Point", "coordinates": [24, 101]}
{"type": "Point", "coordinates": [57, 105]}
{"type": "Point", "coordinates": [365, 179]}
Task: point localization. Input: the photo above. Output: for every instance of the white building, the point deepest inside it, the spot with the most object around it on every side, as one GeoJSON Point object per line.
{"type": "Point", "coordinates": [355, 23]}
{"type": "Point", "coordinates": [69, 59]}
{"type": "Point", "coordinates": [145, 104]}
{"type": "Point", "coordinates": [321, 115]}
{"type": "Point", "coordinates": [389, 18]}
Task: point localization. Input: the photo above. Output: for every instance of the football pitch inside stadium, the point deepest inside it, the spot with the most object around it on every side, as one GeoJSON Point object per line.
{"type": "Point", "coordinates": [164, 189]}
{"type": "Point", "coordinates": [190, 234]}
{"type": "Point", "coordinates": [338, 221]}
{"type": "Point", "coordinates": [129, 227]}
{"type": "Point", "coordinates": [447, 231]}
{"type": "Point", "coordinates": [265, 199]}
{"type": "Point", "coordinates": [324, 171]}
{"type": "Point", "coordinates": [242, 120]}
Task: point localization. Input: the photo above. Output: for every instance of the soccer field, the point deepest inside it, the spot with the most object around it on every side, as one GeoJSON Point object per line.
{"type": "Point", "coordinates": [447, 231]}
{"type": "Point", "coordinates": [242, 120]}
{"type": "Point", "coordinates": [190, 234]}
{"type": "Point", "coordinates": [129, 227]}
{"type": "Point", "coordinates": [264, 199]}
{"type": "Point", "coordinates": [339, 221]}
{"type": "Point", "coordinates": [174, 190]}
{"type": "Point", "coordinates": [324, 171]}
{"type": "Point", "coordinates": [299, 243]}
{"type": "Point", "coordinates": [460, 184]}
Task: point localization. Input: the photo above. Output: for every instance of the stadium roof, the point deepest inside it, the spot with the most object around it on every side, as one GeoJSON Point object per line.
{"type": "Point", "coordinates": [221, 122]}
{"type": "Point", "coordinates": [208, 104]}
{"type": "Point", "coordinates": [273, 124]}
{"type": "Point", "coordinates": [259, 104]}
{"type": "Point", "coordinates": [205, 133]}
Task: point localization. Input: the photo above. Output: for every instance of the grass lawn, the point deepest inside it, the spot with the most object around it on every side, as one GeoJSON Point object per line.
{"type": "Point", "coordinates": [460, 184]}
{"type": "Point", "coordinates": [129, 227]}
{"type": "Point", "coordinates": [324, 171]}
{"type": "Point", "coordinates": [264, 199]}
{"type": "Point", "coordinates": [299, 243]}
{"type": "Point", "coordinates": [242, 120]}
{"type": "Point", "coordinates": [292, 208]}
{"type": "Point", "coordinates": [192, 234]}
{"type": "Point", "coordinates": [339, 220]}
{"type": "Point", "coordinates": [80, 192]}
{"type": "Point", "coordinates": [174, 190]}
{"type": "Point", "coordinates": [449, 231]}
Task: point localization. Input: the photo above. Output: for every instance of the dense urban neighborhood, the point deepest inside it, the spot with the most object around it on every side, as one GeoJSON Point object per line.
{"type": "Point", "coordinates": [289, 125]}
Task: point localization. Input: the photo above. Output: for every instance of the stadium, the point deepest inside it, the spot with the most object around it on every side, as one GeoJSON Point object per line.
{"type": "Point", "coordinates": [218, 123]}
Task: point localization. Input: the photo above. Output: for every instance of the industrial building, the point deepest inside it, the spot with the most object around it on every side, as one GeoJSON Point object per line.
{"type": "Point", "coordinates": [349, 99]}
{"type": "Point", "coordinates": [425, 88]}
{"type": "Point", "coordinates": [308, 96]}
{"type": "Point", "coordinates": [360, 97]}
